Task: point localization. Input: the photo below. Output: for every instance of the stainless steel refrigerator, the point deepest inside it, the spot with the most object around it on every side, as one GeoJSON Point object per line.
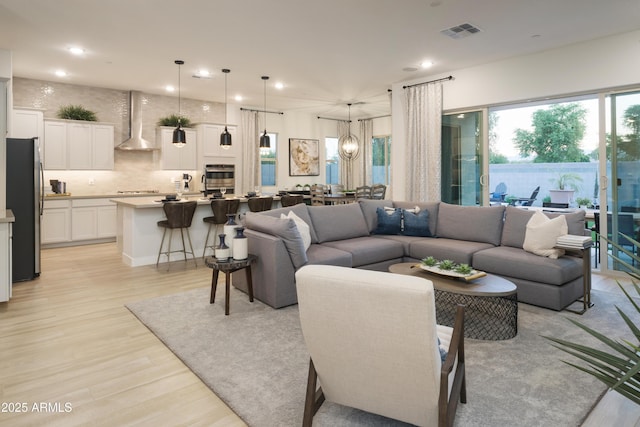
{"type": "Point", "coordinates": [24, 198]}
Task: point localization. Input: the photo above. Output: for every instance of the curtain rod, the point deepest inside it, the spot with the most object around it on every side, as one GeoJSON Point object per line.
{"type": "Point", "coordinates": [261, 111]}
{"type": "Point", "coordinates": [337, 120]}
{"type": "Point", "coordinates": [432, 81]}
{"type": "Point", "coordinates": [376, 117]}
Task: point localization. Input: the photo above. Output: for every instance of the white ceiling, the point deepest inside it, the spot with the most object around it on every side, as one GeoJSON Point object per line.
{"type": "Point", "coordinates": [327, 52]}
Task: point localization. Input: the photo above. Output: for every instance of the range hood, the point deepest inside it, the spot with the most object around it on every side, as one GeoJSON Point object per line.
{"type": "Point", "coordinates": [135, 141]}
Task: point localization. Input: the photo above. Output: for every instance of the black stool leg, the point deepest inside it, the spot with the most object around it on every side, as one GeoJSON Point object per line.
{"type": "Point", "coordinates": [161, 244]}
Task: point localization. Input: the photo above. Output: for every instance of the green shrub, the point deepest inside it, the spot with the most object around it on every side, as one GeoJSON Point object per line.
{"type": "Point", "coordinates": [173, 120]}
{"type": "Point", "coordinates": [76, 112]}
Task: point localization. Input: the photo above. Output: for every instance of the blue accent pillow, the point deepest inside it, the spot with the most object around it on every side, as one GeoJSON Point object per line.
{"type": "Point", "coordinates": [416, 224]}
{"type": "Point", "coordinates": [389, 221]}
{"type": "Point", "coordinates": [443, 351]}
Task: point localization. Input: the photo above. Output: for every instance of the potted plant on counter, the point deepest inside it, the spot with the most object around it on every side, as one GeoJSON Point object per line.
{"type": "Point", "coordinates": [566, 184]}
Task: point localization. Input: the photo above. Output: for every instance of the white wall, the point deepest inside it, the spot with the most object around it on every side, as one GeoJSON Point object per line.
{"type": "Point", "coordinates": [601, 64]}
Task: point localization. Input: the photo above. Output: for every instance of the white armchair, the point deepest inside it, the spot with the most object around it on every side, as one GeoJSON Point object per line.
{"type": "Point", "coordinates": [372, 338]}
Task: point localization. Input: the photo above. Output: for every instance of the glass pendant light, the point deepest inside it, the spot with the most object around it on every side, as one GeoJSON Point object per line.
{"type": "Point", "coordinates": [265, 141]}
{"type": "Point", "coordinates": [225, 137]}
{"type": "Point", "coordinates": [179, 136]}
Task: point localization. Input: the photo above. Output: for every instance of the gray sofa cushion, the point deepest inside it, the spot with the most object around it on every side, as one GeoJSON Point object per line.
{"type": "Point", "coordinates": [515, 224]}
{"type": "Point", "coordinates": [369, 208]}
{"type": "Point", "coordinates": [286, 229]}
{"type": "Point", "coordinates": [368, 250]}
{"type": "Point", "coordinates": [472, 223]}
{"type": "Point", "coordinates": [338, 222]}
{"type": "Point", "coordinates": [325, 255]}
{"type": "Point", "coordinates": [432, 207]}
{"type": "Point", "coordinates": [460, 251]}
{"type": "Point", "coordinates": [300, 210]}
{"type": "Point", "coordinates": [513, 262]}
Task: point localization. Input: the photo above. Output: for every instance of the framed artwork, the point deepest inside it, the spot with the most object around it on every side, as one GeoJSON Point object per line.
{"type": "Point", "coordinates": [304, 157]}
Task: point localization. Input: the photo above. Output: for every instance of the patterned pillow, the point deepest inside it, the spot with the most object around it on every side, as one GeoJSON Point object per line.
{"type": "Point", "coordinates": [389, 221]}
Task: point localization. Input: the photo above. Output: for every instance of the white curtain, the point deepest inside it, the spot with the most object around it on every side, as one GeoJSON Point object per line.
{"type": "Point", "coordinates": [424, 121]}
{"type": "Point", "coordinates": [365, 161]}
{"type": "Point", "coordinates": [250, 122]}
{"type": "Point", "coordinates": [343, 130]}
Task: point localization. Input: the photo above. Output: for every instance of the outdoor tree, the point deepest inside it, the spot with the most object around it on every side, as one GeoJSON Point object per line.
{"type": "Point", "coordinates": [627, 145]}
{"type": "Point", "coordinates": [495, 156]}
{"type": "Point", "coordinates": [556, 135]}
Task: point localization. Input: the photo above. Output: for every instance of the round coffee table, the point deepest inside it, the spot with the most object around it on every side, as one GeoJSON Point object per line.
{"type": "Point", "coordinates": [491, 311]}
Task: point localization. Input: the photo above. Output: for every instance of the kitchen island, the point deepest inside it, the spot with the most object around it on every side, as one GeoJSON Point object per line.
{"type": "Point", "coordinates": [138, 235]}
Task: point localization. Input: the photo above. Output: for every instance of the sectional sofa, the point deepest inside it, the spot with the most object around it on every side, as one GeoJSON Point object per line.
{"type": "Point", "coordinates": [487, 238]}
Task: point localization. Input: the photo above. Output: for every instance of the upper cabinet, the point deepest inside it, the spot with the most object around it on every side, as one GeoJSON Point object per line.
{"type": "Point", "coordinates": [177, 158]}
{"type": "Point", "coordinates": [209, 141]}
{"type": "Point", "coordinates": [78, 145]}
{"type": "Point", "coordinates": [27, 123]}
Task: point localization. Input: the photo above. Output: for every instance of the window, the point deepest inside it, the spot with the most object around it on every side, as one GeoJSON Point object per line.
{"type": "Point", "coordinates": [332, 166]}
{"type": "Point", "coordinates": [381, 160]}
{"type": "Point", "coordinates": [268, 162]}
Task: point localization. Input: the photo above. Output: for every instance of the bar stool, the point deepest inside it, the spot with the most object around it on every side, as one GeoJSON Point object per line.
{"type": "Point", "coordinates": [290, 200]}
{"type": "Point", "coordinates": [260, 204]}
{"type": "Point", "coordinates": [220, 208]}
{"type": "Point", "coordinates": [179, 215]}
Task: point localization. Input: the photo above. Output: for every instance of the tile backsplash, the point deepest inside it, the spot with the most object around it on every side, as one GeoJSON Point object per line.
{"type": "Point", "coordinates": [133, 170]}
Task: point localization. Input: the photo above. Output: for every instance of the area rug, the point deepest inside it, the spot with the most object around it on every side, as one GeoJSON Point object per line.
{"type": "Point", "coordinates": [255, 360]}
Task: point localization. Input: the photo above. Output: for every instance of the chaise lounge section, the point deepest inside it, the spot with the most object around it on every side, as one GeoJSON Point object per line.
{"type": "Point", "coordinates": [487, 238]}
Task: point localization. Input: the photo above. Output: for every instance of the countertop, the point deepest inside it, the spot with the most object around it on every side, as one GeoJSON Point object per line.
{"type": "Point", "coordinates": [155, 201]}
{"type": "Point", "coordinates": [8, 216]}
{"type": "Point", "coordinates": [71, 196]}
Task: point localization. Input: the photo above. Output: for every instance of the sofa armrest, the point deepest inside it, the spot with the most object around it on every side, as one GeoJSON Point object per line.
{"type": "Point", "coordinates": [272, 273]}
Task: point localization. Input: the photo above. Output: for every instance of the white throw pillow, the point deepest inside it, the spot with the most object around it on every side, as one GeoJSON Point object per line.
{"type": "Point", "coordinates": [303, 228]}
{"type": "Point", "coordinates": [542, 233]}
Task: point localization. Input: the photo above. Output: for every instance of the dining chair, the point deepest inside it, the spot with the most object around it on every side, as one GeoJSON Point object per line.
{"type": "Point", "coordinates": [291, 199]}
{"type": "Point", "coordinates": [378, 191]}
{"type": "Point", "coordinates": [336, 188]}
{"type": "Point", "coordinates": [363, 192]}
{"type": "Point", "coordinates": [317, 195]}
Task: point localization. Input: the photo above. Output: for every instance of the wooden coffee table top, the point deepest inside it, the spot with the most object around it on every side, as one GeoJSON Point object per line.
{"type": "Point", "coordinates": [489, 285]}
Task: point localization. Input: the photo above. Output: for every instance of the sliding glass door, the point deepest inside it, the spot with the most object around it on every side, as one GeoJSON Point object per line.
{"type": "Point", "coordinates": [620, 216]}
{"type": "Point", "coordinates": [462, 135]}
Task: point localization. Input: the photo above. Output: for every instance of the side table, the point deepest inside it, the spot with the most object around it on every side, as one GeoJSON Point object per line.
{"type": "Point", "coordinates": [229, 267]}
{"type": "Point", "coordinates": [585, 254]}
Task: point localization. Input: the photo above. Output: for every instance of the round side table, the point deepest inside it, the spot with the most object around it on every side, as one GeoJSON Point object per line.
{"type": "Point", "coordinates": [229, 267]}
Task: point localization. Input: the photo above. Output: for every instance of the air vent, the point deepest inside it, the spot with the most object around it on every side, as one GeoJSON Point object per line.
{"type": "Point", "coordinates": [461, 31]}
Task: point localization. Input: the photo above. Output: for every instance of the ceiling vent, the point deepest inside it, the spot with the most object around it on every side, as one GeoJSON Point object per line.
{"type": "Point", "coordinates": [461, 31]}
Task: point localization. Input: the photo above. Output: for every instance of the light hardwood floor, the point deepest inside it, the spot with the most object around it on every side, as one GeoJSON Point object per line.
{"type": "Point", "coordinates": [66, 337]}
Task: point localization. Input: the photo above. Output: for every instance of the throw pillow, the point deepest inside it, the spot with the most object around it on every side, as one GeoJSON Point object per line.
{"type": "Point", "coordinates": [443, 351]}
{"type": "Point", "coordinates": [389, 221]}
{"type": "Point", "coordinates": [285, 229]}
{"type": "Point", "coordinates": [303, 228]}
{"type": "Point", "coordinates": [542, 233]}
{"type": "Point", "coordinates": [416, 224]}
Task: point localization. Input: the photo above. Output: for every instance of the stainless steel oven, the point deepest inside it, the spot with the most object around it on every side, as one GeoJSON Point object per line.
{"type": "Point", "coordinates": [218, 176]}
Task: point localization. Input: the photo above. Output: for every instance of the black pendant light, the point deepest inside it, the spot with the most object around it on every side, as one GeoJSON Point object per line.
{"type": "Point", "coordinates": [179, 136]}
{"type": "Point", "coordinates": [265, 141]}
{"type": "Point", "coordinates": [225, 137]}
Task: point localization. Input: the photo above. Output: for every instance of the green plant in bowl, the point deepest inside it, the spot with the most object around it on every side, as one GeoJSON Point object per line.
{"type": "Point", "coordinates": [76, 112]}
{"type": "Point", "coordinates": [173, 120]}
{"type": "Point", "coordinates": [463, 269]}
{"type": "Point", "coordinates": [430, 261]}
{"type": "Point", "coordinates": [447, 264]}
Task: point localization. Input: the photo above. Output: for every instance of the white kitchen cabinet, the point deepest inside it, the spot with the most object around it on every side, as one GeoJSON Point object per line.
{"type": "Point", "coordinates": [177, 158]}
{"type": "Point", "coordinates": [27, 123]}
{"type": "Point", "coordinates": [92, 219]}
{"type": "Point", "coordinates": [55, 145]}
{"type": "Point", "coordinates": [78, 145]}
{"type": "Point", "coordinates": [6, 275]}
{"type": "Point", "coordinates": [209, 141]}
{"type": "Point", "coordinates": [56, 221]}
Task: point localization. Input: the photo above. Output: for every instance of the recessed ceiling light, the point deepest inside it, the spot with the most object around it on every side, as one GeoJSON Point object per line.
{"type": "Point", "coordinates": [61, 73]}
{"type": "Point", "coordinates": [279, 85]}
{"type": "Point", "coordinates": [202, 74]}
{"type": "Point", "coordinates": [76, 50]}
{"type": "Point", "coordinates": [426, 64]}
{"type": "Point", "coordinates": [170, 88]}
{"type": "Point", "coordinates": [238, 98]}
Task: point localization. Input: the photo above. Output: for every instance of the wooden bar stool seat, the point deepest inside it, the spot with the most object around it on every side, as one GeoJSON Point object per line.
{"type": "Point", "coordinates": [179, 216]}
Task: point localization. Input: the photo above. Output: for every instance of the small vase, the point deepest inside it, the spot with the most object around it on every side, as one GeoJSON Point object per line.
{"type": "Point", "coordinates": [240, 245]}
{"type": "Point", "coordinates": [222, 251]}
{"type": "Point", "coordinates": [230, 229]}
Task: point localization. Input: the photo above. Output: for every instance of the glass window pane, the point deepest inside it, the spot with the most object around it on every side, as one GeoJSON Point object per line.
{"type": "Point", "coordinates": [332, 163]}
{"type": "Point", "coordinates": [268, 162]}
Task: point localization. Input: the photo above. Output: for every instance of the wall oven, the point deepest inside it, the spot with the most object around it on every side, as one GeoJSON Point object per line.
{"type": "Point", "coordinates": [218, 176]}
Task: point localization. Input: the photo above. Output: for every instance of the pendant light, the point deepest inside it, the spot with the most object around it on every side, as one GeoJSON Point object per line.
{"type": "Point", "coordinates": [179, 136]}
{"type": "Point", "coordinates": [265, 141]}
{"type": "Point", "coordinates": [349, 149]}
{"type": "Point", "coordinates": [225, 137]}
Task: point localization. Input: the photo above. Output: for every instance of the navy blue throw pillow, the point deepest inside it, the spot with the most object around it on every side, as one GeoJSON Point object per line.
{"type": "Point", "coordinates": [416, 224]}
{"type": "Point", "coordinates": [388, 221]}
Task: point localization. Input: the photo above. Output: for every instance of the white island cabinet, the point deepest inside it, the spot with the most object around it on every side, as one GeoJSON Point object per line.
{"type": "Point", "coordinates": [6, 279]}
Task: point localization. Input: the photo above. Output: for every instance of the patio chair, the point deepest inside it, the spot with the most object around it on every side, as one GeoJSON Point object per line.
{"type": "Point", "coordinates": [626, 226]}
{"type": "Point", "coordinates": [528, 201]}
{"type": "Point", "coordinates": [499, 193]}
{"type": "Point", "coordinates": [350, 322]}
